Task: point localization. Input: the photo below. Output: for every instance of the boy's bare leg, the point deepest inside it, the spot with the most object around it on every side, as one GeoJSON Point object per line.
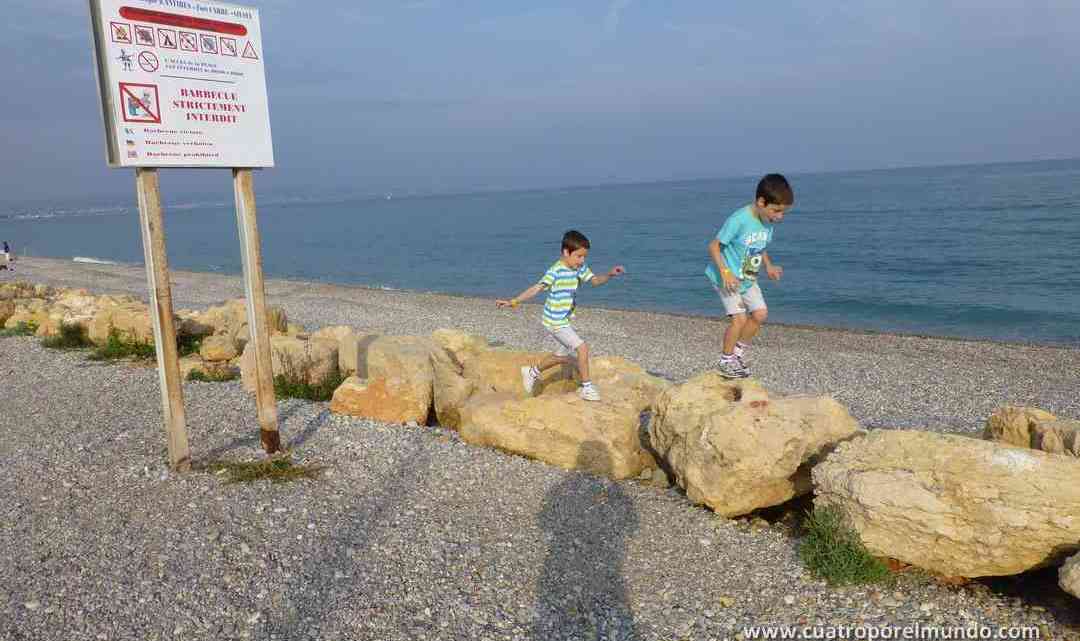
{"type": "Point", "coordinates": [734, 332]}
{"type": "Point", "coordinates": [551, 360]}
{"type": "Point", "coordinates": [751, 327]}
{"type": "Point", "coordinates": [583, 361]}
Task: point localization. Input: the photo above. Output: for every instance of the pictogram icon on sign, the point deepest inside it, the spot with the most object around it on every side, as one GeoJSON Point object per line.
{"type": "Point", "coordinates": [125, 59]}
{"type": "Point", "coordinates": [148, 61]}
{"type": "Point", "coordinates": [139, 103]}
{"type": "Point", "coordinates": [249, 52]}
{"type": "Point", "coordinates": [167, 38]}
{"type": "Point", "coordinates": [189, 41]}
{"type": "Point", "coordinates": [228, 46]}
{"type": "Point", "coordinates": [144, 36]}
{"type": "Point", "coordinates": [120, 32]}
{"type": "Point", "coordinates": [209, 43]}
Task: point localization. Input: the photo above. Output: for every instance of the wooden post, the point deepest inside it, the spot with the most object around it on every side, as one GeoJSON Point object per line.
{"type": "Point", "coordinates": [259, 328]}
{"type": "Point", "coordinates": [151, 222]}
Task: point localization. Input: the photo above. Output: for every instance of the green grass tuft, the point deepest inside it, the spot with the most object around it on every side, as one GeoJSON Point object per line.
{"type": "Point", "coordinates": [188, 345]}
{"type": "Point", "coordinates": [278, 469]}
{"type": "Point", "coordinates": [118, 347]}
{"type": "Point", "coordinates": [293, 383]}
{"type": "Point", "coordinates": [22, 329]}
{"type": "Point", "coordinates": [833, 551]}
{"type": "Point", "coordinates": [70, 337]}
{"type": "Point", "coordinates": [212, 376]}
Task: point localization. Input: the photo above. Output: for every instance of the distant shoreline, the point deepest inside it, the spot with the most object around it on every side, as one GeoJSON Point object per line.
{"type": "Point", "coordinates": [91, 261]}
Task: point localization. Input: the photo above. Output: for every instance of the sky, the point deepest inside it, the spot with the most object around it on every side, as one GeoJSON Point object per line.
{"type": "Point", "coordinates": [420, 96]}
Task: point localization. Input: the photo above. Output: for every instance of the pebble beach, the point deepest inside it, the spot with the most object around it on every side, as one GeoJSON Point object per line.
{"type": "Point", "coordinates": [412, 534]}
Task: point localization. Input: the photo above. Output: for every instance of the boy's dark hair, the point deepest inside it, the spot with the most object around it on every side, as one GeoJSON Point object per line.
{"type": "Point", "coordinates": [574, 240]}
{"type": "Point", "coordinates": [775, 189]}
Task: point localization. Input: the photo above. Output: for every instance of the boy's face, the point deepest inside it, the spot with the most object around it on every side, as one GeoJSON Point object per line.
{"type": "Point", "coordinates": [771, 214]}
{"type": "Point", "coordinates": [575, 259]}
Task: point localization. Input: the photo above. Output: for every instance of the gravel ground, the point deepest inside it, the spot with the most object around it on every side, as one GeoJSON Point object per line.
{"type": "Point", "coordinates": [411, 534]}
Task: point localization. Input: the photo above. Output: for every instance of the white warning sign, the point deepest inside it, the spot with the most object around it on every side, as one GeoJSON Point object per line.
{"type": "Point", "coordinates": [182, 83]}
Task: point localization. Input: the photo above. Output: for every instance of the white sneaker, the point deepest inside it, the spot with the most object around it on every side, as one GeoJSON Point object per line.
{"type": "Point", "coordinates": [529, 376]}
{"type": "Point", "coordinates": [589, 393]}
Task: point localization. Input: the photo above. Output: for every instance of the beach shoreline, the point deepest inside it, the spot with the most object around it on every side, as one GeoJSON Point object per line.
{"type": "Point", "coordinates": [886, 379]}
{"type": "Point", "coordinates": [43, 261]}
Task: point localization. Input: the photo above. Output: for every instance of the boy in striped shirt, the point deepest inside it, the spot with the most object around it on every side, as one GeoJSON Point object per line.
{"type": "Point", "coordinates": [561, 281]}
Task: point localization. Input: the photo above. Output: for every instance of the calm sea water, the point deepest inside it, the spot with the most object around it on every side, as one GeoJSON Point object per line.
{"type": "Point", "coordinates": [985, 251]}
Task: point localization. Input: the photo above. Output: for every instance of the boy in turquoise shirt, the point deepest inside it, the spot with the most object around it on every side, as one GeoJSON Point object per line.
{"type": "Point", "coordinates": [738, 254]}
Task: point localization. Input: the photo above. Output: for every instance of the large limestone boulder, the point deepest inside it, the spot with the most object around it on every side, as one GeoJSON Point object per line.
{"type": "Point", "coordinates": [380, 399]}
{"type": "Point", "coordinates": [218, 348]}
{"type": "Point", "coordinates": [352, 345]}
{"type": "Point", "coordinates": [1069, 576]}
{"type": "Point", "coordinates": [394, 381]}
{"type": "Point", "coordinates": [27, 311]}
{"type": "Point", "coordinates": [461, 345]}
{"type": "Point", "coordinates": [1034, 428]}
{"type": "Point", "coordinates": [499, 372]}
{"type": "Point", "coordinates": [310, 361]}
{"type": "Point", "coordinates": [131, 319]}
{"type": "Point", "coordinates": [1057, 437]}
{"type": "Point", "coordinates": [561, 429]}
{"type": "Point", "coordinates": [954, 505]}
{"type": "Point", "coordinates": [450, 389]}
{"type": "Point", "coordinates": [735, 450]}
{"type": "Point", "coordinates": [7, 309]}
{"type": "Point", "coordinates": [1014, 424]}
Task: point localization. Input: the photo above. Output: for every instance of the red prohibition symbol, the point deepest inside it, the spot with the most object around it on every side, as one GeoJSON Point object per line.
{"type": "Point", "coordinates": [148, 61]}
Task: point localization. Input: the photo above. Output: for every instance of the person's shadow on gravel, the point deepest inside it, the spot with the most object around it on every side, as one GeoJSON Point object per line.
{"type": "Point", "coordinates": [581, 590]}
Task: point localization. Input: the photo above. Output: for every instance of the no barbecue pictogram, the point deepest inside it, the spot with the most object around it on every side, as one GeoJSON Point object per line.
{"type": "Point", "coordinates": [228, 46]}
{"type": "Point", "coordinates": [189, 41]}
{"type": "Point", "coordinates": [120, 32]}
{"type": "Point", "coordinates": [148, 62]}
{"type": "Point", "coordinates": [139, 103]}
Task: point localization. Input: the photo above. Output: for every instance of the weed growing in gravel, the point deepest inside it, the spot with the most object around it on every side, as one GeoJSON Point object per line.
{"type": "Point", "coordinates": [70, 337]}
{"type": "Point", "coordinates": [22, 329]}
{"type": "Point", "coordinates": [215, 376]}
{"type": "Point", "coordinates": [278, 469]}
{"type": "Point", "coordinates": [117, 347]}
{"type": "Point", "coordinates": [833, 551]}
{"type": "Point", "coordinates": [293, 383]}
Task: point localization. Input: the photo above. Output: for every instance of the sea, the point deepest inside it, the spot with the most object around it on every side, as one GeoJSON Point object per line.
{"type": "Point", "coordinates": [975, 251]}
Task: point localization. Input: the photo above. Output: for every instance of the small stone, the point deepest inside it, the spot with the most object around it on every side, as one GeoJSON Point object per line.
{"type": "Point", "coordinates": [254, 618]}
{"type": "Point", "coordinates": [32, 605]}
{"type": "Point", "coordinates": [726, 601]}
{"type": "Point", "coordinates": [245, 548]}
{"type": "Point", "coordinates": [789, 600]}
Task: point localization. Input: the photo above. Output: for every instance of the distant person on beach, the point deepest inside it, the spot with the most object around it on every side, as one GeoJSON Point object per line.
{"type": "Point", "coordinates": [9, 262]}
{"type": "Point", "coordinates": [738, 254]}
{"type": "Point", "coordinates": [561, 281]}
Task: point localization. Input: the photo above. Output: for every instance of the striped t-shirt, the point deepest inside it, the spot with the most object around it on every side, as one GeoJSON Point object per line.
{"type": "Point", "coordinates": [562, 283]}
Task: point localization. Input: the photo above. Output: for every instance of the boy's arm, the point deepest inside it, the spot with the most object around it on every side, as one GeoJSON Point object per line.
{"type": "Point", "coordinates": [715, 249]}
{"type": "Point", "coordinates": [523, 296]}
{"type": "Point", "coordinates": [772, 271]}
{"type": "Point", "coordinates": [603, 278]}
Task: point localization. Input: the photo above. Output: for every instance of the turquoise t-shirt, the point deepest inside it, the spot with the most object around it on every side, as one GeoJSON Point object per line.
{"type": "Point", "coordinates": [743, 238]}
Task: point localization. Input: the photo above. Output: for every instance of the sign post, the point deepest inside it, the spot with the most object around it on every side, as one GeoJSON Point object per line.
{"type": "Point", "coordinates": [161, 316]}
{"type": "Point", "coordinates": [182, 84]}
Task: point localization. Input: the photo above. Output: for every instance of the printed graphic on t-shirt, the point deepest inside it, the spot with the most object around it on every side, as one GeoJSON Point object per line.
{"type": "Point", "coordinates": [752, 263]}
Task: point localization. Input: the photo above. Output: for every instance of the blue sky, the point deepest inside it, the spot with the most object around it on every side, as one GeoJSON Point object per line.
{"type": "Point", "coordinates": [435, 95]}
